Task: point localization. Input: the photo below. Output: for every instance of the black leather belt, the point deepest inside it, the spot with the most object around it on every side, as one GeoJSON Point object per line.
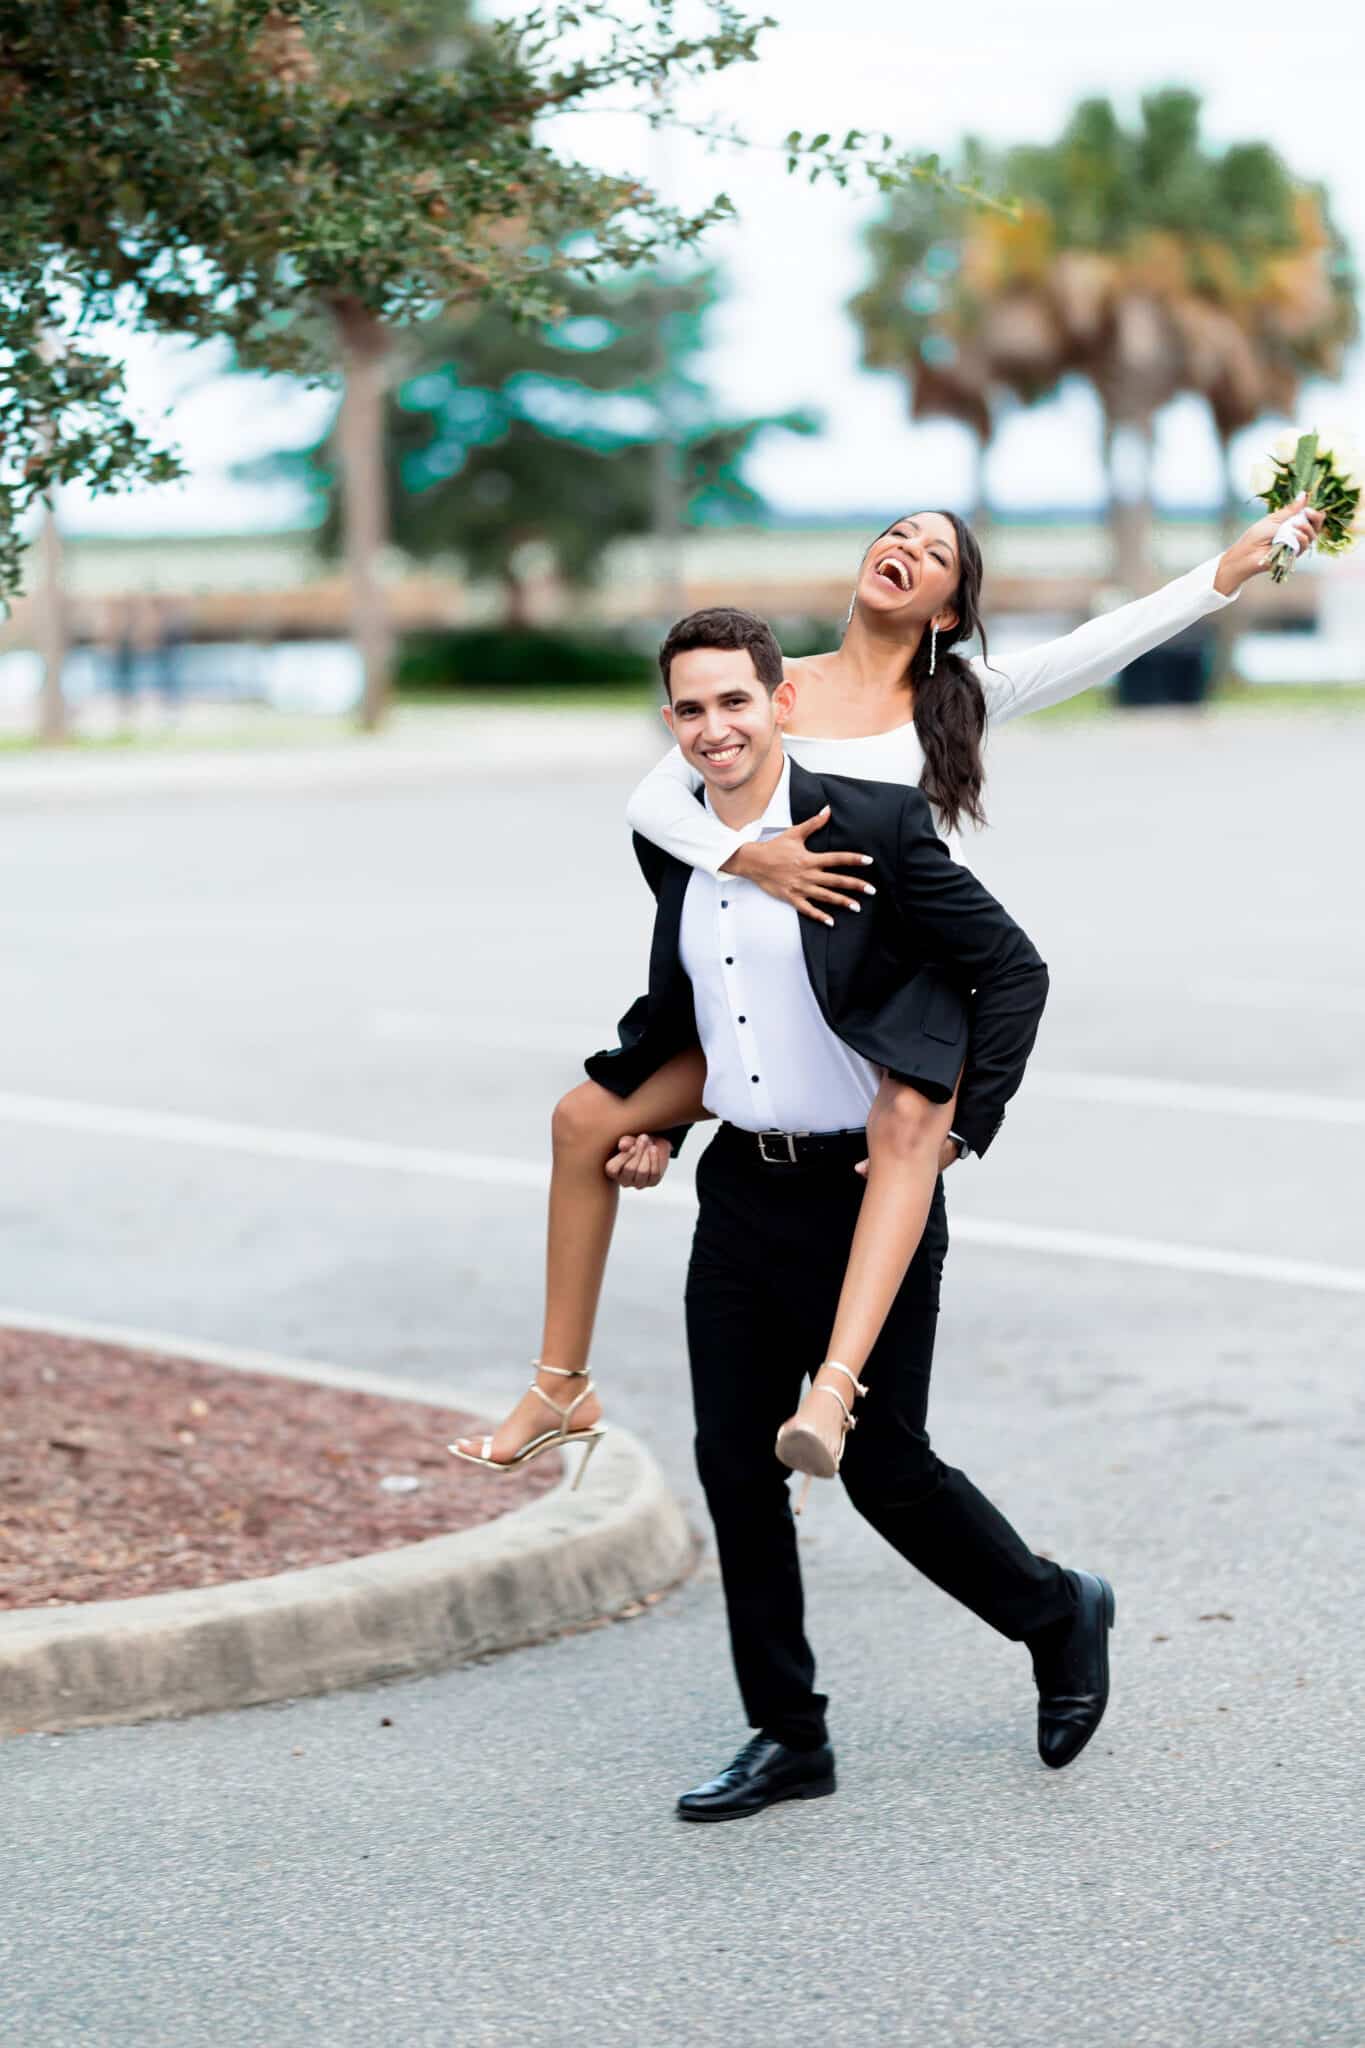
{"type": "Point", "coordinates": [786, 1149]}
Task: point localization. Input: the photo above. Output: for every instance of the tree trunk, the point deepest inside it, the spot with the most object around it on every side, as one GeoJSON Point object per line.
{"type": "Point", "coordinates": [665, 482]}
{"type": "Point", "coordinates": [980, 518]}
{"type": "Point", "coordinates": [516, 609]}
{"type": "Point", "coordinates": [50, 630]}
{"type": "Point", "coordinates": [1234, 496]}
{"type": "Point", "coordinates": [364, 499]}
{"type": "Point", "coordinates": [666, 527]}
{"type": "Point", "coordinates": [1131, 513]}
{"type": "Point", "coordinates": [1111, 505]}
{"type": "Point", "coordinates": [1229, 619]}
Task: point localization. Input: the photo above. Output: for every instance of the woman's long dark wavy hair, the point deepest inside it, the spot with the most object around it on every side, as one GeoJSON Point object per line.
{"type": "Point", "coordinates": [950, 705]}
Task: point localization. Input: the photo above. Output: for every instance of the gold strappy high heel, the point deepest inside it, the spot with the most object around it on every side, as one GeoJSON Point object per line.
{"type": "Point", "coordinates": [550, 1439]}
{"type": "Point", "coordinates": [803, 1449]}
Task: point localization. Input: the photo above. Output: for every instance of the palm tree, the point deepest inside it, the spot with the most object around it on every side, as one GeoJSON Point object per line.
{"type": "Point", "coordinates": [1138, 261]}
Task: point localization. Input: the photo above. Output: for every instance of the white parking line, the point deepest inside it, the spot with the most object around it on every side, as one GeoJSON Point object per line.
{"type": "Point", "coordinates": [321, 1148]}
{"type": "Point", "coordinates": [1118, 1091]}
{"type": "Point", "coordinates": [1173, 1258]}
{"type": "Point", "coordinates": [1303, 999]}
{"type": "Point", "coordinates": [267, 1141]}
{"type": "Point", "coordinates": [1121, 1091]}
{"type": "Point", "coordinates": [1199, 1098]}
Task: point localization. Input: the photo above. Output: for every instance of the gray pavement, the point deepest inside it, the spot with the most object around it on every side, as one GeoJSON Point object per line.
{"type": "Point", "coordinates": [418, 964]}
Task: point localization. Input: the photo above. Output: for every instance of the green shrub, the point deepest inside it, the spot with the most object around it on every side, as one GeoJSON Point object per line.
{"type": "Point", "coordinates": [800, 636]}
{"type": "Point", "coordinates": [484, 657]}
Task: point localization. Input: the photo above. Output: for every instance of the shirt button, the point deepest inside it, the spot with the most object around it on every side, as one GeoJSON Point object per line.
{"type": "Point", "coordinates": [729, 959]}
{"type": "Point", "coordinates": [754, 1078]}
{"type": "Point", "coordinates": [725, 903]}
{"type": "Point", "coordinates": [743, 1020]}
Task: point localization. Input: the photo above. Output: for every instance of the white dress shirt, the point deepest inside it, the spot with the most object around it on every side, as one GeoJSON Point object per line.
{"type": "Point", "coordinates": [772, 1062]}
{"type": "Point", "coordinates": [664, 808]}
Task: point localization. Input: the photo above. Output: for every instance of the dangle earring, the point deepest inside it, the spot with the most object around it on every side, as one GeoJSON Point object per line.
{"type": "Point", "coordinates": [933, 646]}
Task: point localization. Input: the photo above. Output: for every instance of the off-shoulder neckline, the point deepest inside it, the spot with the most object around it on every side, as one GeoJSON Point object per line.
{"type": "Point", "coordinates": [843, 739]}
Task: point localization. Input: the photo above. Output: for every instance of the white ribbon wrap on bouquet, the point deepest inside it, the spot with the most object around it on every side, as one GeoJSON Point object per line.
{"type": "Point", "coordinates": [1287, 536]}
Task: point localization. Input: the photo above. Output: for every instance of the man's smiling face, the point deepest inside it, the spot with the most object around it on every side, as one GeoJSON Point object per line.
{"type": "Point", "coordinates": [724, 719]}
{"type": "Point", "coordinates": [911, 571]}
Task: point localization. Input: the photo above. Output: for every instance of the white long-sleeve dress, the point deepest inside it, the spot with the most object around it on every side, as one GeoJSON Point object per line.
{"type": "Point", "coordinates": [663, 807]}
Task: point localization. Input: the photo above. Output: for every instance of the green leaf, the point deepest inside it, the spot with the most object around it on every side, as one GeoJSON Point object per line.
{"type": "Point", "coordinates": [1304, 456]}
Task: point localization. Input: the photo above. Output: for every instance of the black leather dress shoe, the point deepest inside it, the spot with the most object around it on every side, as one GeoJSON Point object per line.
{"type": "Point", "coordinates": [1073, 1676]}
{"type": "Point", "coordinates": [763, 1772]}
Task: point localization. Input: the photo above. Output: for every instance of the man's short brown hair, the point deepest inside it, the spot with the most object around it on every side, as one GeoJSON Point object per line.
{"type": "Point", "coordinates": [724, 625]}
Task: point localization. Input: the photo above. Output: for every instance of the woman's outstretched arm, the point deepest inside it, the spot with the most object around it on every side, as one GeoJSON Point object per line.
{"type": "Point", "coordinates": [1062, 668]}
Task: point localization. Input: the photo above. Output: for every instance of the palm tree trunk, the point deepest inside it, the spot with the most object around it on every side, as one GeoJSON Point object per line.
{"type": "Point", "coordinates": [1234, 501]}
{"type": "Point", "coordinates": [1108, 436]}
{"type": "Point", "coordinates": [50, 630]}
{"type": "Point", "coordinates": [1227, 624]}
{"type": "Point", "coordinates": [981, 504]}
{"type": "Point", "coordinates": [1131, 518]}
{"type": "Point", "coordinates": [364, 498]}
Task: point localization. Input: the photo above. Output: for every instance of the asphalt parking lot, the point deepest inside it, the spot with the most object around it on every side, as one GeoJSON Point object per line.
{"type": "Point", "coordinates": [280, 1057]}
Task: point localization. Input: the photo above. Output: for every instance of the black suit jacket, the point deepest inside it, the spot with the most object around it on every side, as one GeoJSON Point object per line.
{"type": "Point", "coordinates": [931, 973]}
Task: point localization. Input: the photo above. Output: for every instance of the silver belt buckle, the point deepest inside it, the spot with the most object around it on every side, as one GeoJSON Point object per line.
{"type": "Point", "coordinates": [787, 1158]}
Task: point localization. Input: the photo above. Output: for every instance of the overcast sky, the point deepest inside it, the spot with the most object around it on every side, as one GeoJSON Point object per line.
{"type": "Point", "coordinates": [1292, 75]}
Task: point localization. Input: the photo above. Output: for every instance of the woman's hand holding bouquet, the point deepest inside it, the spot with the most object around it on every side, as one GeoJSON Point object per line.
{"type": "Point", "coordinates": [1250, 555]}
{"type": "Point", "coordinates": [1320, 474]}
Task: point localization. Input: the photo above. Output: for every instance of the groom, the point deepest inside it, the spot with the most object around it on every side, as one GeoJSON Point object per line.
{"type": "Point", "coordinates": [796, 1020]}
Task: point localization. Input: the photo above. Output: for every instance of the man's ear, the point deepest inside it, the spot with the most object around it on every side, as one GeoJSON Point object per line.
{"type": "Point", "coordinates": [784, 701]}
{"type": "Point", "coordinates": [666, 713]}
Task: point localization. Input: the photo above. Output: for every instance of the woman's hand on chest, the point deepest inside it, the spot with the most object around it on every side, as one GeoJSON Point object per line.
{"type": "Point", "coordinates": [816, 884]}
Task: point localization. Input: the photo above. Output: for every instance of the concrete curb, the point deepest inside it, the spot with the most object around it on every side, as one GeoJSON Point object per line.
{"type": "Point", "coordinates": [553, 1565]}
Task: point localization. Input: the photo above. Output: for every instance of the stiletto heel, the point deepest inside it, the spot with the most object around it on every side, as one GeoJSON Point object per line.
{"type": "Point", "coordinates": [549, 1440]}
{"type": "Point", "coordinates": [590, 1443]}
{"type": "Point", "coordinates": [802, 1449]}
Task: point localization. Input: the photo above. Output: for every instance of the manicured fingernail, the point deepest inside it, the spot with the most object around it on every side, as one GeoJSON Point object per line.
{"type": "Point", "coordinates": [855, 906]}
{"type": "Point", "coordinates": [829, 920]}
{"type": "Point", "coordinates": [868, 889]}
{"type": "Point", "coordinates": [866, 859]}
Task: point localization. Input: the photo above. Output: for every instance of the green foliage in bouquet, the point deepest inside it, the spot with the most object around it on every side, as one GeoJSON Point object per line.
{"type": "Point", "coordinates": [1328, 476]}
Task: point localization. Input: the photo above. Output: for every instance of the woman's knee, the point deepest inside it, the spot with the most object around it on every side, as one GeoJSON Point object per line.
{"type": "Point", "coordinates": [586, 1120]}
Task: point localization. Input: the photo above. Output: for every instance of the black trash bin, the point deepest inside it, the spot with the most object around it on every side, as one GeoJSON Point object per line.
{"type": "Point", "coordinates": [1177, 672]}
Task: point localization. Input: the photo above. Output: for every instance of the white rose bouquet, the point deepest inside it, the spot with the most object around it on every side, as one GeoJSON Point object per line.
{"type": "Point", "coordinates": [1329, 470]}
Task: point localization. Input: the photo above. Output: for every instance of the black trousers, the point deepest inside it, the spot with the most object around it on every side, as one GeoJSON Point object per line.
{"type": "Point", "coordinates": [768, 1261]}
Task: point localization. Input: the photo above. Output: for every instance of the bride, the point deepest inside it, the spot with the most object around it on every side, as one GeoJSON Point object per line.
{"type": "Point", "coordinates": [894, 702]}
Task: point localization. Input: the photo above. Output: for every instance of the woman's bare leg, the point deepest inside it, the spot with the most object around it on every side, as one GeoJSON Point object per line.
{"type": "Point", "coordinates": [905, 1136]}
{"type": "Point", "coordinates": [586, 1128]}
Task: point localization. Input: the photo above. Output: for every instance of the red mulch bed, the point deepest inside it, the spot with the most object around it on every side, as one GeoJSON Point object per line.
{"type": "Point", "coordinates": [124, 1473]}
